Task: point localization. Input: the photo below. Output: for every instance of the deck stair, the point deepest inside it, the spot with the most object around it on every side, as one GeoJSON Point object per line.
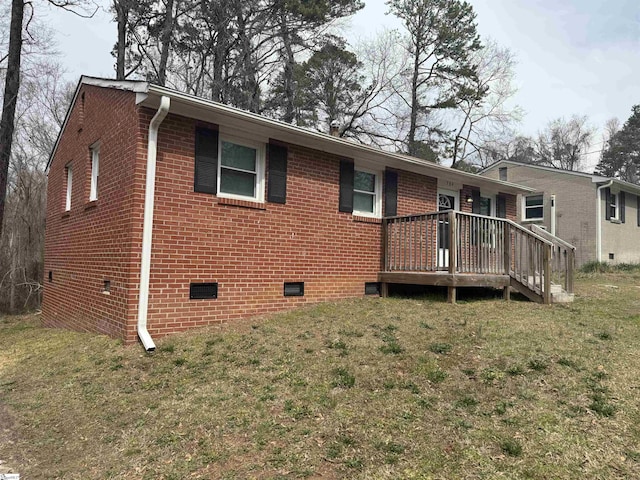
{"type": "Point", "coordinates": [457, 249]}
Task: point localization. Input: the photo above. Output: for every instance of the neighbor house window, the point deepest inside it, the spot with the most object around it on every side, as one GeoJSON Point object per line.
{"type": "Point", "coordinates": [533, 207]}
{"type": "Point", "coordinates": [95, 167]}
{"type": "Point", "coordinates": [69, 176]}
{"type": "Point", "coordinates": [366, 193]}
{"type": "Point", "coordinates": [614, 211]}
{"type": "Point", "coordinates": [241, 170]}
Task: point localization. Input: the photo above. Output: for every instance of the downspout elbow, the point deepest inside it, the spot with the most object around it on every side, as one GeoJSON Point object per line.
{"type": "Point", "coordinates": [147, 228]}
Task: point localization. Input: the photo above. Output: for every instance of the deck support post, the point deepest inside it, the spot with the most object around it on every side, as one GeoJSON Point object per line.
{"type": "Point", "coordinates": [384, 289]}
{"type": "Point", "coordinates": [453, 253]}
{"type": "Point", "coordinates": [451, 294]}
{"type": "Point", "coordinates": [506, 293]}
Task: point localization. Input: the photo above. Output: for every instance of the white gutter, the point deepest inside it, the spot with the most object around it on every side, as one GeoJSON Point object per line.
{"type": "Point", "coordinates": [599, 219]}
{"type": "Point", "coordinates": [147, 228]}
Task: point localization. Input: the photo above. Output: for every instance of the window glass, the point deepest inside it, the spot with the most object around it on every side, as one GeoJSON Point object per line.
{"type": "Point", "coordinates": [67, 205]}
{"type": "Point", "coordinates": [613, 204]}
{"type": "Point", "coordinates": [364, 181]}
{"type": "Point", "coordinates": [485, 206]}
{"type": "Point", "coordinates": [95, 167]}
{"type": "Point", "coordinates": [237, 183]}
{"type": "Point", "coordinates": [238, 156]}
{"type": "Point", "coordinates": [365, 193]}
{"type": "Point", "coordinates": [534, 207]}
{"type": "Point", "coordinates": [363, 202]}
{"type": "Point", "coordinates": [239, 170]}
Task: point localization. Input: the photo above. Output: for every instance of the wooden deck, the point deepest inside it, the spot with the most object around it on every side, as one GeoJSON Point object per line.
{"type": "Point", "coordinates": [455, 249]}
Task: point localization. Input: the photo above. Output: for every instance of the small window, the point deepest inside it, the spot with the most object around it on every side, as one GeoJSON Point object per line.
{"type": "Point", "coordinates": [241, 170]}
{"type": "Point", "coordinates": [69, 178]}
{"type": "Point", "coordinates": [534, 207]}
{"type": "Point", "coordinates": [107, 286]}
{"type": "Point", "coordinates": [503, 173]}
{"type": "Point", "coordinates": [50, 276]}
{"type": "Point", "coordinates": [95, 166]}
{"type": "Point", "coordinates": [366, 193]}
{"type": "Point", "coordinates": [294, 289]}
{"type": "Point", "coordinates": [372, 288]}
{"type": "Point", "coordinates": [203, 291]}
{"type": "Point", "coordinates": [613, 206]}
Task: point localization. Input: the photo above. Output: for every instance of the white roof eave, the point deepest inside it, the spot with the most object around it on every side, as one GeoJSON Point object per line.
{"type": "Point", "coordinates": [213, 112]}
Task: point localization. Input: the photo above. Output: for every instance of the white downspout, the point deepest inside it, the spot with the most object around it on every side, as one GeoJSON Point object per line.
{"type": "Point", "coordinates": [599, 219]}
{"type": "Point", "coordinates": [147, 226]}
{"type": "Point", "coordinates": [552, 225]}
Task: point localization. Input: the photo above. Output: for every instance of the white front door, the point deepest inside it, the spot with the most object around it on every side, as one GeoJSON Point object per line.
{"type": "Point", "coordinates": [447, 200]}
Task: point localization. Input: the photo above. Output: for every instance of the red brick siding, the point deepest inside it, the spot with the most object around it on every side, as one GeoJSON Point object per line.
{"type": "Point", "coordinates": [251, 252]}
{"type": "Point", "coordinates": [92, 242]}
{"type": "Point", "coordinates": [197, 237]}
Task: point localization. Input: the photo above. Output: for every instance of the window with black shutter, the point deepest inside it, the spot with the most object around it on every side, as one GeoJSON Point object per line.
{"type": "Point", "coordinates": [390, 193]}
{"type": "Point", "coordinates": [347, 174]}
{"type": "Point", "coordinates": [622, 207]}
{"type": "Point", "coordinates": [206, 161]}
{"type": "Point", "coordinates": [277, 182]}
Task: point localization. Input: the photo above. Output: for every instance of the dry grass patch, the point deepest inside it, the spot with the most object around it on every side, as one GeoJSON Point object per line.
{"type": "Point", "coordinates": [371, 388]}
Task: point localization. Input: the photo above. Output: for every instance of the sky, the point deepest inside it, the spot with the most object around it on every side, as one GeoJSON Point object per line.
{"type": "Point", "coordinates": [573, 56]}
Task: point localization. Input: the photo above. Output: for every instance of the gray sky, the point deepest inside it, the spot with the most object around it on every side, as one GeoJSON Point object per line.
{"type": "Point", "coordinates": [574, 56]}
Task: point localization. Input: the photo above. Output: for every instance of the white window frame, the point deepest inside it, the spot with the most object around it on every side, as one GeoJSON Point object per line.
{"type": "Point", "coordinates": [260, 168]}
{"type": "Point", "coordinates": [377, 194]}
{"type": "Point", "coordinates": [525, 207]}
{"type": "Point", "coordinates": [614, 202]}
{"type": "Point", "coordinates": [67, 200]}
{"type": "Point", "coordinates": [95, 168]}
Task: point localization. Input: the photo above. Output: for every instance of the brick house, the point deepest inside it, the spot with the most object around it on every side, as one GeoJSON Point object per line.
{"type": "Point", "coordinates": [599, 215]}
{"type": "Point", "coordinates": [167, 211]}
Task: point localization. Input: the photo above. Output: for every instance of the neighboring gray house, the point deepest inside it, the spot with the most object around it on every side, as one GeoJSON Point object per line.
{"type": "Point", "coordinates": [600, 216]}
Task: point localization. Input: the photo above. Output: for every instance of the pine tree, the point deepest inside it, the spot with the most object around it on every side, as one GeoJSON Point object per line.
{"type": "Point", "coordinates": [621, 156]}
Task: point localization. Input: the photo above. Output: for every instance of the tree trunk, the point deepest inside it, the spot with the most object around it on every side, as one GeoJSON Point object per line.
{"type": "Point", "coordinates": [165, 42]}
{"type": "Point", "coordinates": [122, 16]}
{"type": "Point", "coordinates": [287, 77]}
{"type": "Point", "coordinates": [413, 126]}
{"type": "Point", "coordinates": [11, 89]}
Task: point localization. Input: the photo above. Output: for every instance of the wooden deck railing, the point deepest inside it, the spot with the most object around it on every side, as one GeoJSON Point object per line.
{"type": "Point", "coordinates": [459, 243]}
{"type": "Point", "coordinates": [563, 259]}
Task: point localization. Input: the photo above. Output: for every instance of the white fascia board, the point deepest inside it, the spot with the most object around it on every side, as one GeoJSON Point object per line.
{"type": "Point", "coordinates": [620, 184]}
{"type": "Point", "coordinates": [263, 128]}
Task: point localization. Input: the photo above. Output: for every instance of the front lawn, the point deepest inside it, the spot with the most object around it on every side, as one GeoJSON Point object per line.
{"type": "Point", "coordinates": [371, 388]}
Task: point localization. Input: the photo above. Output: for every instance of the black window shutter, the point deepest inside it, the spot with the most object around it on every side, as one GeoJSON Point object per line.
{"type": "Point", "coordinates": [638, 208]}
{"type": "Point", "coordinates": [607, 204]}
{"type": "Point", "coordinates": [347, 173]}
{"type": "Point", "coordinates": [277, 183]}
{"type": "Point", "coordinates": [206, 161]}
{"type": "Point", "coordinates": [390, 193]}
{"type": "Point", "coordinates": [475, 196]}
{"type": "Point", "coordinates": [501, 206]}
{"type": "Point", "coordinates": [622, 209]}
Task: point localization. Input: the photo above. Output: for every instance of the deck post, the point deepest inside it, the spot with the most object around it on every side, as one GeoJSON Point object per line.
{"type": "Point", "coordinates": [453, 253]}
{"type": "Point", "coordinates": [384, 289]}
{"type": "Point", "coordinates": [571, 263]}
{"type": "Point", "coordinates": [546, 260]}
{"type": "Point", "coordinates": [506, 244]}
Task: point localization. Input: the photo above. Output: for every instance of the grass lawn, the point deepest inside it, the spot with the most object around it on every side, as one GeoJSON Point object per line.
{"type": "Point", "coordinates": [370, 388]}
